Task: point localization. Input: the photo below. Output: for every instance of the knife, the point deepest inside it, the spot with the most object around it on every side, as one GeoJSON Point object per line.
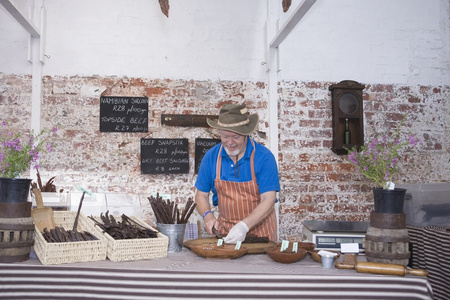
{"type": "Point", "coordinates": [216, 233]}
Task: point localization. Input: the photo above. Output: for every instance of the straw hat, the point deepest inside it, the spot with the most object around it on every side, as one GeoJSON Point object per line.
{"type": "Point", "coordinates": [235, 118]}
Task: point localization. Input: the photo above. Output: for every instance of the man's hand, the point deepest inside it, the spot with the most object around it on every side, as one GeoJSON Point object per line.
{"type": "Point", "coordinates": [237, 233]}
{"type": "Point", "coordinates": [210, 222]}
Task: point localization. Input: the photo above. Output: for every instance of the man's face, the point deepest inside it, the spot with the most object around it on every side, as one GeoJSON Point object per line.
{"type": "Point", "coordinates": [233, 143]}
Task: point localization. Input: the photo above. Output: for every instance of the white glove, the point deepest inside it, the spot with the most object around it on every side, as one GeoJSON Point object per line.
{"type": "Point", "coordinates": [237, 233]}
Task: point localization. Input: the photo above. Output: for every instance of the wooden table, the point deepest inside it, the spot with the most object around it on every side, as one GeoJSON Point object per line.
{"type": "Point", "coordinates": [185, 275]}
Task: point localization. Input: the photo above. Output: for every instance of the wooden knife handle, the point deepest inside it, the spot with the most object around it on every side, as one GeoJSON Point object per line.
{"type": "Point", "coordinates": [341, 265]}
{"type": "Point", "coordinates": [417, 272]}
{"type": "Point", "coordinates": [38, 196]}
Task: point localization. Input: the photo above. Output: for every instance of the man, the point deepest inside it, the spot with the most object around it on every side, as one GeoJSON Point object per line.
{"type": "Point", "coordinates": [243, 177]}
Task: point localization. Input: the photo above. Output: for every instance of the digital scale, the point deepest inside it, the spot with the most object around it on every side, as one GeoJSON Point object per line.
{"type": "Point", "coordinates": [328, 235]}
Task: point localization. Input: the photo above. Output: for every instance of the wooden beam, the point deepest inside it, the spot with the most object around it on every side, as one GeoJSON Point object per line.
{"type": "Point", "coordinates": [290, 24]}
{"type": "Point", "coordinates": [24, 21]}
{"type": "Point", "coordinates": [186, 120]}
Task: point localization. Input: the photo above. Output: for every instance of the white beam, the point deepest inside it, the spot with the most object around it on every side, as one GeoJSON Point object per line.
{"type": "Point", "coordinates": [24, 21]}
{"type": "Point", "coordinates": [290, 24]}
{"type": "Point", "coordinates": [272, 76]}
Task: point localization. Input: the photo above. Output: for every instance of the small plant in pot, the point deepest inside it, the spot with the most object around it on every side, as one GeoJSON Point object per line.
{"type": "Point", "coordinates": [378, 161]}
{"type": "Point", "coordinates": [17, 155]}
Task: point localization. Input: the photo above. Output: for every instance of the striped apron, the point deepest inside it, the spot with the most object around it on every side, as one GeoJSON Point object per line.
{"type": "Point", "coordinates": [238, 199]}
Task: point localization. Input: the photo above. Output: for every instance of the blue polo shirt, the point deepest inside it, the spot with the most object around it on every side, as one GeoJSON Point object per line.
{"type": "Point", "coordinates": [266, 170]}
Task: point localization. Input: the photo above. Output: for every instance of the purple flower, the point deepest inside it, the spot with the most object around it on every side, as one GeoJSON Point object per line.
{"type": "Point", "coordinates": [413, 140]}
{"type": "Point", "coordinates": [386, 176]}
{"type": "Point", "coordinates": [16, 157]}
{"type": "Point", "coordinates": [378, 159]}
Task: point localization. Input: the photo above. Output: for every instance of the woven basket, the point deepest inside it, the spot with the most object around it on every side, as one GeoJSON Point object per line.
{"type": "Point", "coordinates": [72, 252]}
{"type": "Point", "coordinates": [135, 249]}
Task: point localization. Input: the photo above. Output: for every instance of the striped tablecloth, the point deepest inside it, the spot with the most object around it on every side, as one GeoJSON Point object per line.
{"type": "Point", "coordinates": [430, 250]}
{"type": "Point", "coordinates": [186, 276]}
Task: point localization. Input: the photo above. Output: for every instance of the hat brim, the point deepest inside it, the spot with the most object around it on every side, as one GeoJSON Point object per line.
{"type": "Point", "coordinates": [246, 129]}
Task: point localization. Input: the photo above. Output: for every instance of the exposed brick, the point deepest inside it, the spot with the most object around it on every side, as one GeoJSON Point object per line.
{"type": "Point", "coordinates": [315, 183]}
{"type": "Point", "coordinates": [413, 99]}
{"type": "Point", "coordinates": [309, 123]}
{"type": "Point", "coordinates": [155, 91]}
{"type": "Point", "coordinates": [319, 167]}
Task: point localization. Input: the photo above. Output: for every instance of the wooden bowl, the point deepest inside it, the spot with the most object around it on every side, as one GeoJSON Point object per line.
{"type": "Point", "coordinates": [252, 248]}
{"type": "Point", "coordinates": [316, 257]}
{"type": "Point", "coordinates": [307, 246]}
{"type": "Point", "coordinates": [214, 251]}
{"type": "Point", "coordinates": [286, 256]}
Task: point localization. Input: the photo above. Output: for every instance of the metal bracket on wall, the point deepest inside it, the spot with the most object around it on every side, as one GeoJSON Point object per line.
{"type": "Point", "coordinates": [28, 24]}
{"type": "Point", "coordinates": [186, 120]}
{"type": "Point", "coordinates": [24, 21]}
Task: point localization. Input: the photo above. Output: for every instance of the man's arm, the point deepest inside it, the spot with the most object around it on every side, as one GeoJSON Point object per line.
{"type": "Point", "coordinates": [202, 201]}
{"type": "Point", "coordinates": [262, 210]}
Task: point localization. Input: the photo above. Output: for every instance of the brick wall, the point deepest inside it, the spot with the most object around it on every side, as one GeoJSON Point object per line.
{"type": "Point", "coordinates": [315, 182]}
{"type": "Point", "coordinates": [110, 162]}
{"type": "Point", "coordinates": [318, 184]}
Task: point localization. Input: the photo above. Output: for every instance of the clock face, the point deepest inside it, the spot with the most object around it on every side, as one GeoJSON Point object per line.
{"type": "Point", "coordinates": [348, 103]}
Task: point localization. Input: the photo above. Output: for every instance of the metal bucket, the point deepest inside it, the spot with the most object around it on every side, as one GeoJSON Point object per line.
{"type": "Point", "coordinates": [14, 190]}
{"type": "Point", "coordinates": [175, 233]}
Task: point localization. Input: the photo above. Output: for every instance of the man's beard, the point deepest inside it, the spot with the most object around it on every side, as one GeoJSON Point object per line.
{"type": "Point", "coordinates": [233, 153]}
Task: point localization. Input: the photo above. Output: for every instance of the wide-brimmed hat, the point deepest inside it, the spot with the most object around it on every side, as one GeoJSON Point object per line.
{"type": "Point", "coordinates": [235, 118]}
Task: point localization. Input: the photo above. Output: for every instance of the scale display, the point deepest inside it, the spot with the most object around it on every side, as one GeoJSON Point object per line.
{"type": "Point", "coordinates": [335, 242]}
{"type": "Point", "coordinates": [329, 235]}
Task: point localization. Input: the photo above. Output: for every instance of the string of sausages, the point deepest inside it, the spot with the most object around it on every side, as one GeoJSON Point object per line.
{"type": "Point", "coordinates": [167, 211]}
{"type": "Point", "coordinates": [127, 228]}
{"type": "Point", "coordinates": [60, 235]}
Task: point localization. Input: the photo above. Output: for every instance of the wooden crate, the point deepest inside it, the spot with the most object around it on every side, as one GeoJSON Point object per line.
{"type": "Point", "coordinates": [135, 249]}
{"type": "Point", "coordinates": [72, 252]}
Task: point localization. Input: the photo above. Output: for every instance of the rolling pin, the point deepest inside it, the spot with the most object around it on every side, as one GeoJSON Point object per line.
{"type": "Point", "coordinates": [380, 268]}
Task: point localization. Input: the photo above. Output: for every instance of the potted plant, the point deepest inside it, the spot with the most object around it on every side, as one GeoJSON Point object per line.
{"type": "Point", "coordinates": [378, 161]}
{"type": "Point", "coordinates": [17, 155]}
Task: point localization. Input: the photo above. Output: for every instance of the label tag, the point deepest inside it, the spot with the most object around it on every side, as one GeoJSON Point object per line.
{"type": "Point", "coordinates": [238, 246]}
{"type": "Point", "coordinates": [284, 245]}
{"type": "Point", "coordinates": [349, 248]}
{"type": "Point", "coordinates": [295, 247]}
{"type": "Point", "coordinates": [219, 242]}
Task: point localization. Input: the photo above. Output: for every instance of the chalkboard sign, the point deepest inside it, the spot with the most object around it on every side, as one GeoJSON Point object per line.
{"type": "Point", "coordinates": [201, 147]}
{"type": "Point", "coordinates": [123, 114]}
{"type": "Point", "coordinates": [164, 156]}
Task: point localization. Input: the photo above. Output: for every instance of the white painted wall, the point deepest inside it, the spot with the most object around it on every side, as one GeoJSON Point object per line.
{"type": "Point", "coordinates": [371, 41]}
{"type": "Point", "coordinates": [381, 41]}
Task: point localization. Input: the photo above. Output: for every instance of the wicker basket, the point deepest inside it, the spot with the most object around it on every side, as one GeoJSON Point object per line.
{"type": "Point", "coordinates": [136, 249]}
{"type": "Point", "coordinates": [63, 253]}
